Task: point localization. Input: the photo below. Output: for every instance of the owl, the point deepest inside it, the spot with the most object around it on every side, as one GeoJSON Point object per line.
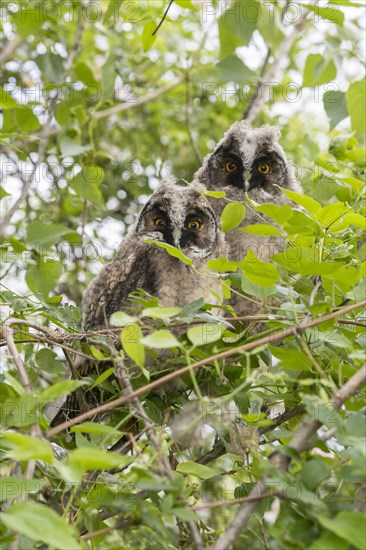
{"type": "Point", "coordinates": [248, 162]}
{"type": "Point", "coordinates": [177, 216]}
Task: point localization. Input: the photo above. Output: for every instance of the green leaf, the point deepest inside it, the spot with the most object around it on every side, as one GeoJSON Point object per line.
{"type": "Point", "coordinates": [303, 200]}
{"type": "Point", "coordinates": [3, 193]}
{"type": "Point", "coordinates": [330, 14]}
{"type": "Point", "coordinates": [200, 335]}
{"type": "Point", "coordinates": [12, 487]}
{"type": "Point", "coordinates": [198, 470]}
{"type": "Point", "coordinates": [41, 233]}
{"type": "Point", "coordinates": [350, 526]}
{"type": "Point", "coordinates": [113, 9]}
{"type": "Point", "coordinates": [60, 389]}
{"type": "Point", "coordinates": [25, 447]}
{"type": "Point", "coordinates": [303, 261]}
{"type": "Point", "coordinates": [7, 101]}
{"type": "Point", "coordinates": [87, 458]}
{"type": "Point", "coordinates": [291, 358]}
{"type": "Point", "coordinates": [215, 194]}
{"type": "Point", "coordinates": [232, 216]}
{"type": "Point", "coordinates": [120, 319]}
{"type": "Point", "coordinates": [84, 73]}
{"type": "Point", "coordinates": [332, 213]}
{"type": "Point", "coordinates": [261, 229]}
{"type": "Point", "coordinates": [232, 69]}
{"type": "Point", "coordinates": [51, 67]}
{"type": "Point", "coordinates": [313, 472]}
{"type": "Point", "coordinates": [161, 339]}
{"type": "Point", "coordinates": [172, 251]}
{"type": "Point", "coordinates": [184, 514]}
{"type": "Point", "coordinates": [260, 273]}
{"type": "Point", "coordinates": [40, 523]}
{"type": "Point", "coordinates": [106, 374]}
{"type": "Point", "coordinates": [186, 4]}
{"type": "Point", "coordinates": [335, 106]}
{"type": "Point", "coordinates": [148, 38]}
{"type": "Point", "coordinates": [86, 184]}
{"type": "Point", "coordinates": [95, 428]}
{"type": "Point", "coordinates": [237, 24]}
{"type": "Point", "coordinates": [222, 265]}
{"type": "Point", "coordinates": [280, 214]}
{"type": "Point", "coordinates": [356, 104]}
{"type": "Point", "coordinates": [317, 71]}
{"type": "Point", "coordinates": [163, 313]}
{"type": "Point", "coordinates": [71, 148]}
{"type": "Point", "coordinates": [22, 120]}
{"type": "Point", "coordinates": [43, 276]}
{"type": "Point", "coordinates": [329, 540]}
{"type": "Point", "coordinates": [131, 338]}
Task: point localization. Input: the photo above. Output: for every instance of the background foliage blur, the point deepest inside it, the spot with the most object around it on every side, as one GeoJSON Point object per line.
{"type": "Point", "coordinates": [95, 111]}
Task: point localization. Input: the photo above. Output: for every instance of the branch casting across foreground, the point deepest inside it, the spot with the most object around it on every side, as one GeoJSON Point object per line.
{"type": "Point", "coordinates": [281, 335]}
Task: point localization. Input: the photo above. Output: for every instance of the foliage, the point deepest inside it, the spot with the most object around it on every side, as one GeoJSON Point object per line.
{"type": "Point", "coordinates": [96, 110]}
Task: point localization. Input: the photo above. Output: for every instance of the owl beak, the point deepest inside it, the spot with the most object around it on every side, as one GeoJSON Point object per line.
{"type": "Point", "coordinates": [176, 237]}
{"type": "Point", "coordinates": [246, 180]}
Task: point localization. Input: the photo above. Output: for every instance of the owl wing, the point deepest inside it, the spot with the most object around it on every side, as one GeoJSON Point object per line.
{"type": "Point", "coordinates": [109, 291]}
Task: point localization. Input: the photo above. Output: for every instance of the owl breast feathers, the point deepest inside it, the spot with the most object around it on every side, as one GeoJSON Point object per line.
{"type": "Point", "coordinates": [175, 216]}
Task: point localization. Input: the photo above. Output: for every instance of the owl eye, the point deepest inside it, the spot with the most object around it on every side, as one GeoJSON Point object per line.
{"type": "Point", "coordinates": [231, 166]}
{"type": "Point", "coordinates": [194, 225]}
{"type": "Point", "coordinates": [160, 221]}
{"type": "Point", "coordinates": [264, 168]}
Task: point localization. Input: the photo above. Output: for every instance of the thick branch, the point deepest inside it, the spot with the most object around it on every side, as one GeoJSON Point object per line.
{"type": "Point", "coordinates": [300, 442]}
{"type": "Point", "coordinates": [223, 355]}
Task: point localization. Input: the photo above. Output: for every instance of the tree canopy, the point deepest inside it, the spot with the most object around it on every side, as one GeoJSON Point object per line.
{"type": "Point", "coordinates": [101, 100]}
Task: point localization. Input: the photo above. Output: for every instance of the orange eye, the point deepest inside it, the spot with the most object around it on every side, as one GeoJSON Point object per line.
{"type": "Point", "coordinates": [194, 225]}
{"type": "Point", "coordinates": [231, 166]}
{"type": "Point", "coordinates": [264, 168]}
{"type": "Point", "coordinates": [159, 221]}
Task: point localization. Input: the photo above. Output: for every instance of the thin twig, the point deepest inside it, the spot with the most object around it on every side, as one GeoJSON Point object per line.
{"type": "Point", "coordinates": [9, 337]}
{"type": "Point", "coordinates": [9, 49]}
{"type": "Point", "coordinates": [163, 18]}
{"type": "Point", "coordinates": [140, 101]}
{"type": "Point", "coordinates": [187, 116]}
{"type": "Point", "coordinates": [223, 355]}
{"type": "Point", "coordinates": [230, 502]}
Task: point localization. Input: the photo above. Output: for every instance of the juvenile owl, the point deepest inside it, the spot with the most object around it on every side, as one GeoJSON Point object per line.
{"type": "Point", "coordinates": [249, 160]}
{"type": "Point", "coordinates": [177, 216]}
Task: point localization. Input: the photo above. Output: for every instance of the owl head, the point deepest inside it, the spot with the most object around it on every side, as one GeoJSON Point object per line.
{"type": "Point", "coordinates": [246, 159]}
{"type": "Point", "coordinates": [181, 217]}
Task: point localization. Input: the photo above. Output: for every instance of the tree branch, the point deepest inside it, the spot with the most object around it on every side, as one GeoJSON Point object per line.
{"type": "Point", "coordinates": [266, 78]}
{"type": "Point", "coordinates": [300, 442]}
{"type": "Point", "coordinates": [9, 49]}
{"type": "Point", "coordinates": [163, 18]}
{"type": "Point", "coordinates": [223, 355]}
{"type": "Point", "coordinates": [144, 99]}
